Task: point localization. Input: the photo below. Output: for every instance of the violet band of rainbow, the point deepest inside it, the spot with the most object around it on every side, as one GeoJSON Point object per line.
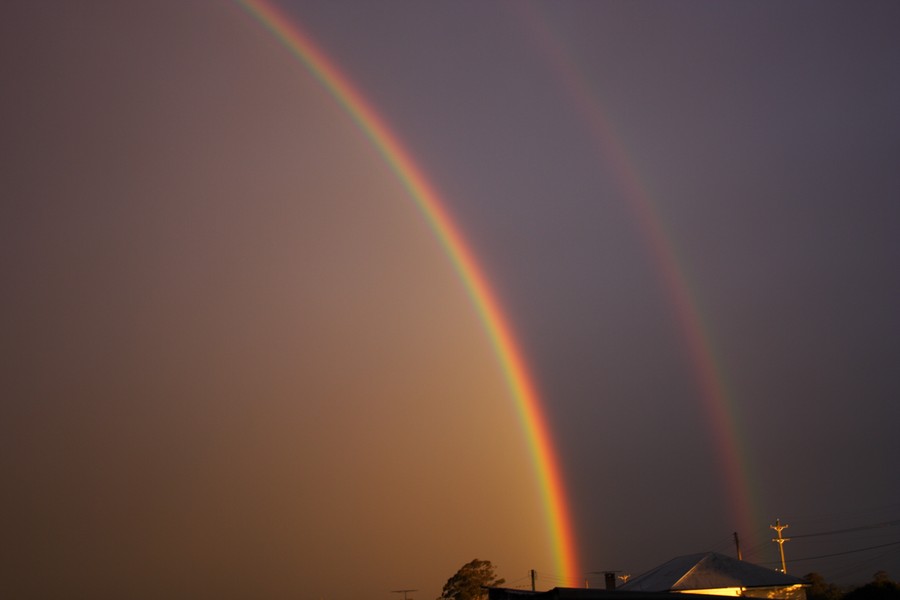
{"type": "Point", "coordinates": [710, 378]}
{"type": "Point", "coordinates": [429, 202]}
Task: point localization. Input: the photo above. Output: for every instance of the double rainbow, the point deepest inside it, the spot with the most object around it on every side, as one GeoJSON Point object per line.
{"type": "Point", "coordinates": [430, 204]}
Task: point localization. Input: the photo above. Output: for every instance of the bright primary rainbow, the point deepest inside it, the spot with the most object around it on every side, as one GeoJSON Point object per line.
{"type": "Point", "coordinates": [429, 202]}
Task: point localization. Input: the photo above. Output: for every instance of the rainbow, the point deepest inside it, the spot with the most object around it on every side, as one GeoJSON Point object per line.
{"type": "Point", "coordinates": [710, 377]}
{"type": "Point", "coordinates": [432, 207]}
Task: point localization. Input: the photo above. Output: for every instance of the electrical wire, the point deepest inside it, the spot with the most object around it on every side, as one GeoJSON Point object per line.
{"type": "Point", "coordinates": [850, 529]}
{"type": "Point", "coordinates": [793, 560]}
{"type": "Point", "coordinates": [856, 567]}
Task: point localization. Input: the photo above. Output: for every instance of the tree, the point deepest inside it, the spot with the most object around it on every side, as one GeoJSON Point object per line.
{"type": "Point", "coordinates": [819, 589]}
{"type": "Point", "coordinates": [881, 587]}
{"type": "Point", "coordinates": [470, 581]}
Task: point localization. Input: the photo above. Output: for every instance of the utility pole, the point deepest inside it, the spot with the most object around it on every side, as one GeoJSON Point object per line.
{"type": "Point", "coordinates": [737, 545]}
{"type": "Point", "coordinates": [780, 541]}
{"type": "Point", "coordinates": [404, 592]}
{"type": "Point", "coordinates": [533, 575]}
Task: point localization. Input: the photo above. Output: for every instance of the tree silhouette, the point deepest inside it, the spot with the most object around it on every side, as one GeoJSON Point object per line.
{"type": "Point", "coordinates": [881, 587]}
{"type": "Point", "coordinates": [819, 589]}
{"type": "Point", "coordinates": [469, 582]}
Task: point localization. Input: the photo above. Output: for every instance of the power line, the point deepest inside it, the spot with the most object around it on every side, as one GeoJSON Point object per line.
{"type": "Point", "coordinates": [758, 549]}
{"type": "Point", "coordinates": [722, 545]}
{"type": "Point", "coordinates": [843, 553]}
{"type": "Point", "coordinates": [855, 567]}
{"type": "Point", "coordinates": [515, 582]}
{"type": "Point", "coordinates": [851, 529]}
{"type": "Point", "coordinates": [555, 579]}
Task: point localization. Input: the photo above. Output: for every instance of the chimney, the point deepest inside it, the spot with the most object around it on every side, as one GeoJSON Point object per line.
{"type": "Point", "coordinates": [610, 578]}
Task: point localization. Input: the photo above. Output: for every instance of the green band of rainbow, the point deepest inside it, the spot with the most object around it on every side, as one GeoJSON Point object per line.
{"type": "Point", "coordinates": [718, 403]}
{"type": "Point", "coordinates": [430, 204]}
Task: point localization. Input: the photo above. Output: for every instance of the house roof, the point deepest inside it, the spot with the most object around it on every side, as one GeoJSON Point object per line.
{"type": "Point", "coordinates": [707, 570]}
{"type": "Point", "coordinates": [495, 593]}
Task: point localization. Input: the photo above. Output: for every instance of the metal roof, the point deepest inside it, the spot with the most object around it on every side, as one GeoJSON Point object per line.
{"type": "Point", "coordinates": [707, 570]}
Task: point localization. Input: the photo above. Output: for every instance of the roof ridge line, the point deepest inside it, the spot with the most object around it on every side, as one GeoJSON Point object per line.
{"type": "Point", "coordinates": [689, 571]}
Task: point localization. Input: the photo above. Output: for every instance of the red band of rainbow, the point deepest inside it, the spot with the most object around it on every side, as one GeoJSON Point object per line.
{"type": "Point", "coordinates": [431, 206]}
{"type": "Point", "coordinates": [710, 377]}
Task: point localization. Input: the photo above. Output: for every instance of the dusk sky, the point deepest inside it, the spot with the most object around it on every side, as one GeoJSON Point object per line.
{"type": "Point", "coordinates": [237, 361]}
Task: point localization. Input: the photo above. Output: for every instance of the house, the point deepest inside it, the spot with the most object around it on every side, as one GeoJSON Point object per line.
{"type": "Point", "coordinates": [690, 577]}
{"type": "Point", "coordinates": [559, 593]}
{"type": "Point", "coordinates": [715, 574]}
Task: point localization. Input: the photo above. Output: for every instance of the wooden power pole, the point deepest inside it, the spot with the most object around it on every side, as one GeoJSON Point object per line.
{"type": "Point", "coordinates": [780, 541]}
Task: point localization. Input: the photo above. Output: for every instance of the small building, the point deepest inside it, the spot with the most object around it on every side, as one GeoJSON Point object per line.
{"type": "Point", "coordinates": [559, 593]}
{"type": "Point", "coordinates": [710, 573]}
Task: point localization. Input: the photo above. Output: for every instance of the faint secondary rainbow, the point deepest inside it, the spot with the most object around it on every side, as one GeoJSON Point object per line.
{"type": "Point", "coordinates": [710, 377]}
{"type": "Point", "coordinates": [432, 207]}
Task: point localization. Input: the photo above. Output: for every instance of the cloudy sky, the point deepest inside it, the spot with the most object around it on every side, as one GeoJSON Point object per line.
{"type": "Point", "coordinates": [237, 362]}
